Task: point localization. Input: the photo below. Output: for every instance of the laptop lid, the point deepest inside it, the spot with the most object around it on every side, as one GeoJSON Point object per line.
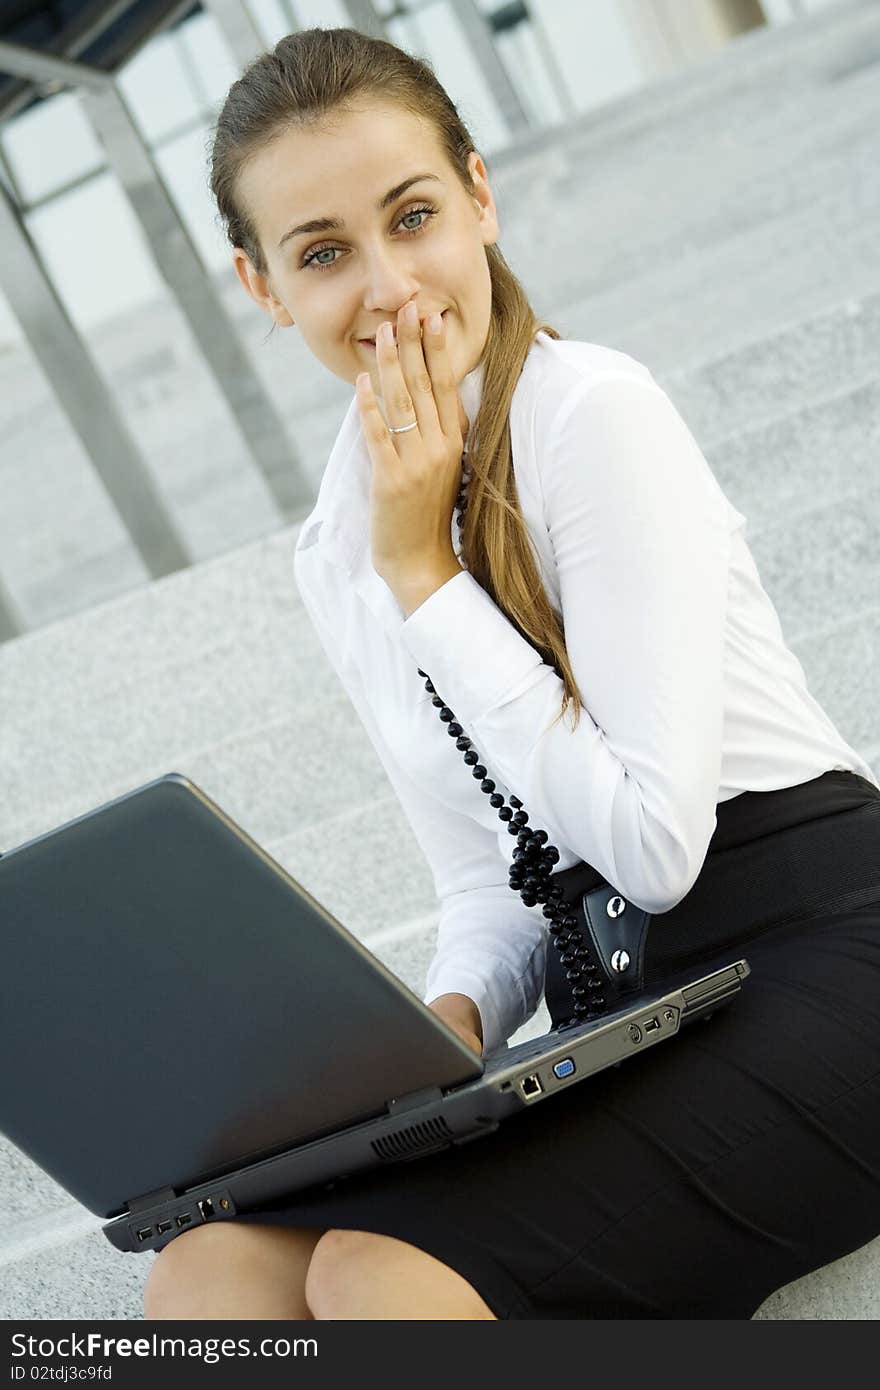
{"type": "Point", "coordinates": [174, 1005]}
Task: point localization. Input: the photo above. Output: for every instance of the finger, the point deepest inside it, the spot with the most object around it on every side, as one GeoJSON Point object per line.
{"type": "Point", "coordinates": [417, 378]}
{"type": "Point", "coordinates": [380, 444]}
{"type": "Point", "coordinates": [450, 411]}
{"type": "Point", "coordinates": [399, 405]}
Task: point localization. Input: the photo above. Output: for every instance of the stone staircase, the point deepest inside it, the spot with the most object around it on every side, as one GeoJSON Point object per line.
{"type": "Point", "coordinates": [720, 226]}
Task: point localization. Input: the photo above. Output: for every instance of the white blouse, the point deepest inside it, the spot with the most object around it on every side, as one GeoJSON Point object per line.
{"type": "Point", "coordinates": [691, 694]}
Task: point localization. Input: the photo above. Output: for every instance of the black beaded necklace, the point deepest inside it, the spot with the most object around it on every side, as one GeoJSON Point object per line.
{"type": "Point", "coordinates": [530, 872]}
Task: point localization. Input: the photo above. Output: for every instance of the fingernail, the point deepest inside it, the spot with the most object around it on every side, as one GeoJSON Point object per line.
{"type": "Point", "coordinates": [434, 323]}
{"type": "Point", "coordinates": [386, 333]}
{"type": "Point", "coordinates": [410, 313]}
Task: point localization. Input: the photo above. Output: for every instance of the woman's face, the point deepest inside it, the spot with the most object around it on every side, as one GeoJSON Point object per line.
{"type": "Point", "coordinates": [426, 243]}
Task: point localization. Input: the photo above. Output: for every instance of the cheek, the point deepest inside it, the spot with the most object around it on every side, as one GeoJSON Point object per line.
{"type": "Point", "coordinates": [465, 274]}
{"type": "Point", "coordinates": [322, 316]}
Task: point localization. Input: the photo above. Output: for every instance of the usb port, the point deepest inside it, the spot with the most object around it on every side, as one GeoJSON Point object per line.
{"type": "Point", "coordinates": [184, 1220]}
{"type": "Point", "coordinates": [563, 1068]}
{"type": "Point", "coordinates": [163, 1226]}
{"type": "Point", "coordinates": [145, 1233]}
{"type": "Point", "coordinates": [652, 1025]}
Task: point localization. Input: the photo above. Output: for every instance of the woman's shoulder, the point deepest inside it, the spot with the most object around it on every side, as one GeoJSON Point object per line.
{"type": "Point", "coordinates": [557, 370]}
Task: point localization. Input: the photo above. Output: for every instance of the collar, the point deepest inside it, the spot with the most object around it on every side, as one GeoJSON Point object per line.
{"type": "Point", "coordinates": [339, 523]}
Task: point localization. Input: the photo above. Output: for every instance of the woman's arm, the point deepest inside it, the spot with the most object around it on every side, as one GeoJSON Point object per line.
{"type": "Point", "coordinates": [640, 533]}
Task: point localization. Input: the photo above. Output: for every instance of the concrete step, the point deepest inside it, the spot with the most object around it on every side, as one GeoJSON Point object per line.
{"type": "Point", "coordinates": [609, 212]}
{"type": "Point", "coordinates": [773, 377]}
{"type": "Point", "coordinates": [802, 462]}
{"type": "Point", "coordinates": [709, 303]}
{"type": "Point", "coordinates": [787, 65]}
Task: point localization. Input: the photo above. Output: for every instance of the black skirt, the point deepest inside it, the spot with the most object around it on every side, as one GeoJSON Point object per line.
{"type": "Point", "coordinates": [699, 1177]}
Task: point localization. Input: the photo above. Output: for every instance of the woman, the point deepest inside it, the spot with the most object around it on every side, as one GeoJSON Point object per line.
{"type": "Point", "coordinates": [596, 554]}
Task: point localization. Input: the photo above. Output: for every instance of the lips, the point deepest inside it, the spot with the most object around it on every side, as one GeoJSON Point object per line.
{"type": "Point", "coordinates": [370, 343]}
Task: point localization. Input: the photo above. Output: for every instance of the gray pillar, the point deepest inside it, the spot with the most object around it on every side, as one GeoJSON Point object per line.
{"type": "Point", "coordinates": [236, 22]}
{"type": "Point", "coordinates": [367, 20]}
{"type": "Point", "coordinates": [570, 111]}
{"type": "Point", "coordinates": [482, 45]}
{"type": "Point", "coordinates": [21, 61]}
{"type": "Point", "coordinates": [83, 396]}
{"type": "Point", "coordinates": [179, 263]}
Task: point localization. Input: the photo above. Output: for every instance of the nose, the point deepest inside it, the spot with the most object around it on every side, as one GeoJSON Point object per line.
{"type": "Point", "coordinates": [388, 283]}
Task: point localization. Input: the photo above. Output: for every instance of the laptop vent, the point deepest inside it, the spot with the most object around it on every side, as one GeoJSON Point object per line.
{"type": "Point", "coordinates": [428, 1134]}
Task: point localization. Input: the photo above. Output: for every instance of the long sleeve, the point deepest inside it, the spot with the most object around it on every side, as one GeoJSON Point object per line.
{"type": "Point", "coordinates": [640, 535]}
{"type": "Point", "coordinates": [490, 946]}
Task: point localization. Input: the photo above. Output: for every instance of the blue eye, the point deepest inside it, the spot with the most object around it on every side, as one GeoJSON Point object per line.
{"type": "Point", "coordinates": [311, 261]}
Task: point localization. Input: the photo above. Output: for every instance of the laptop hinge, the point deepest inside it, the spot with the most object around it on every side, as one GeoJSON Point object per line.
{"type": "Point", "coordinates": [152, 1199]}
{"type": "Point", "coordinates": [414, 1099]}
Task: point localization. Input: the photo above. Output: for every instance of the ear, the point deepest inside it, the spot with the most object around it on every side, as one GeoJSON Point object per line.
{"type": "Point", "coordinates": [259, 288]}
{"type": "Point", "coordinates": [482, 196]}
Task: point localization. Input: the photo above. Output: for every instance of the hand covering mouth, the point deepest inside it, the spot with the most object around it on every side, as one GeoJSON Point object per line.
{"type": "Point", "coordinates": [372, 341]}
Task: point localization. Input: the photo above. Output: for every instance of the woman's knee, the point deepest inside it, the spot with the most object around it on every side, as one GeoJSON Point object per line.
{"type": "Point", "coordinates": [226, 1253]}
{"type": "Point", "coordinates": [180, 1265]}
{"type": "Point", "coordinates": [357, 1274]}
{"type": "Point", "coordinates": [335, 1258]}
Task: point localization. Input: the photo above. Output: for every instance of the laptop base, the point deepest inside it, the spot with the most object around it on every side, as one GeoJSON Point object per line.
{"type": "Point", "coordinates": [431, 1120]}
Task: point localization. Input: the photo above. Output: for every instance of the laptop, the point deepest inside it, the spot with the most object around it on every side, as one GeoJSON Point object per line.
{"type": "Point", "coordinates": [185, 1032]}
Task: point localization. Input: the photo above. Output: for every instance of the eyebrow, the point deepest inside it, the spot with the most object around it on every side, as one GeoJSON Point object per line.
{"type": "Point", "coordinates": [335, 224]}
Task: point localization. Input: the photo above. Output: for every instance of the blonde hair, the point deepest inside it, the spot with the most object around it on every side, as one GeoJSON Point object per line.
{"type": "Point", "coordinates": [311, 76]}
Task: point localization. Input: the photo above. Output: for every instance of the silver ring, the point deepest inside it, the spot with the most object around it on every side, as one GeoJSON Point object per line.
{"type": "Point", "coordinates": [402, 429]}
